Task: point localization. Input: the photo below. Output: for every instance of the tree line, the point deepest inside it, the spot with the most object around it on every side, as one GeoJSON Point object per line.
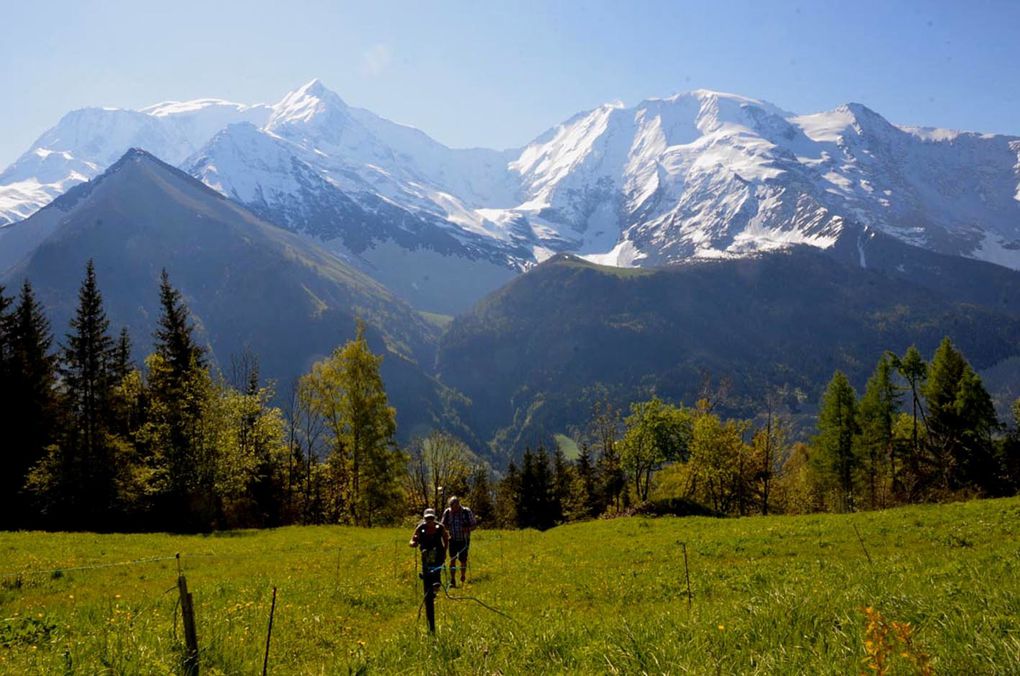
{"type": "Point", "coordinates": [922, 431]}
{"type": "Point", "coordinates": [98, 442]}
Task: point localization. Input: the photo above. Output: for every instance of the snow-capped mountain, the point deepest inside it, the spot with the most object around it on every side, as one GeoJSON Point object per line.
{"type": "Point", "coordinates": [705, 174]}
{"type": "Point", "coordinates": [322, 167]}
{"type": "Point", "coordinates": [696, 175]}
{"type": "Point", "coordinates": [85, 142]}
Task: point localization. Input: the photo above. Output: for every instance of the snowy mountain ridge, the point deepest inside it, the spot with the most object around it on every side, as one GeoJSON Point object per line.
{"type": "Point", "coordinates": [700, 174]}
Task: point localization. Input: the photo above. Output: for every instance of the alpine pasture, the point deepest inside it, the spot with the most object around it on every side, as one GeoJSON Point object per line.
{"type": "Point", "coordinates": [921, 589]}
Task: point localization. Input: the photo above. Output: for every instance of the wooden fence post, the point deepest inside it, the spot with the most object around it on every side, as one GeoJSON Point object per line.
{"type": "Point", "coordinates": [190, 635]}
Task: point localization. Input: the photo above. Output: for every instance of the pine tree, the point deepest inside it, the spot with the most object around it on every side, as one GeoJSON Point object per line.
{"type": "Point", "coordinates": [834, 457]}
{"type": "Point", "coordinates": [536, 500]}
{"type": "Point", "coordinates": [260, 435]}
{"type": "Point", "coordinates": [508, 492]}
{"type": "Point", "coordinates": [562, 487]}
{"type": "Point", "coordinates": [175, 334]}
{"type": "Point", "coordinates": [9, 464]}
{"type": "Point", "coordinates": [527, 495]}
{"type": "Point", "coordinates": [878, 408]}
{"type": "Point", "coordinates": [914, 370]}
{"type": "Point", "coordinates": [178, 398]}
{"type": "Point", "coordinates": [122, 365]}
{"type": "Point", "coordinates": [86, 366]}
{"type": "Point", "coordinates": [32, 407]}
{"type": "Point", "coordinates": [480, 495]}
{"type": "Point", "coordinates": [962, 420]}
{"type": "Point", "coordinates": [586, 498]}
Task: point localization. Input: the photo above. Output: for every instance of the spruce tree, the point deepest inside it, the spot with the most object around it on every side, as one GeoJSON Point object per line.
{"type": "Point", "coordinates": [86, 367]}
{"type": "Point", "coordinates": [562, 487]}
{"type": "Point", "coordinates": [962, 421]}
{"type": "Point", "coordinates": [32, 406]}
{"type": "Point", "coordinates": [834, 457]}
{"type": "Point", "coordinates": [9, 465]}
{"type": "Point", "coordinates": [914, 370]}
{"type": "Point", "coordinates": [508, 497]}
{"type": "Point", "coordinates": [175, 334]}
{"type": "Point", "coordinates": [480, 495]}
{"type": "Point", "coordinates": [586, 491]}
{"type": "Point", "coordinates": [179, 392]}
{"type": "Point", "coordinates": [879, 405]}
{"type": "Point", "coordinates": [525, 504]}
{"type": "Point", "coordinates": [122, 366]}
{"type": "Point", "coordinates": [536, 500]}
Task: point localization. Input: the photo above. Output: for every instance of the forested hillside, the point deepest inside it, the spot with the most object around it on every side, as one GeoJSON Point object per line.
{"type": "Point", "coordinates": [535, 356]}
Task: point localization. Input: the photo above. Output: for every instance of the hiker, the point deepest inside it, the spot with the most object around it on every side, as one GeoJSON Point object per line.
{"type": "Point", "coordinates": [459, 521]}
{"type": "Point", "coordinates": [432, 538]}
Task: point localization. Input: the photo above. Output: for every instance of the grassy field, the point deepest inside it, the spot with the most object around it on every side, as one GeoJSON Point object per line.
{"type": "Point", "coordinates": [770, 595]}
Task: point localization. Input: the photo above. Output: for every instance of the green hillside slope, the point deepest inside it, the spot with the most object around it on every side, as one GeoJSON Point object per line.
{"type": "Point", "coordinates": [535, 355]}
{"type": "Point", "coordinates": [769, 595]}
{"type": "Point", "coordinates": [249, 284]}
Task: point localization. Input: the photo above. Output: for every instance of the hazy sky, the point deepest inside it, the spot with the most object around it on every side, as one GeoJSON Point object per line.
{"type": "Point", "coordinates": [499, 73]}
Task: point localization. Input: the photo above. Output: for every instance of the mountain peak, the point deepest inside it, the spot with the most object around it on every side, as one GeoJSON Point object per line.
{"type": "Point", "coordinates": [862, 113]}
{"type": "Point", "coordinates": [313, 87]}
{"type": "Point", "coordinates": [311, 101]}
{"type": "Point", "coordinates": [137, 157]}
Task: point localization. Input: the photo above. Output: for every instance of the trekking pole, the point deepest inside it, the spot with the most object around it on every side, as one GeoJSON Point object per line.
{"type": "Point", "coordinates": [861, 540]}
{"type": "Point", "coordinates": [269, 634]}
{"type": "Point", "coordinates": [687, 575]}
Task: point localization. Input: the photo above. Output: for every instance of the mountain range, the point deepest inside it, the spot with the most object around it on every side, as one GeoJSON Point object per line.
{"type": "Point", "coordinates": [696, 175]}
{"type": "Point", "coordinates": [251, 287]}
{"type": "Point", "coordinates": [625, 252]}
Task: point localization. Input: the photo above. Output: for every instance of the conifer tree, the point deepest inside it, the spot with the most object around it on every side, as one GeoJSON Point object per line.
{"type": "Point", "coordinates": [878, 408]}
{"type": "Point", "coordinates": [35, 408]}
{"type": "Point", "coordinates": [562, 487]}
{"type": "Point", "coordinates": [89, 381]}
{"type": "Point", "coordinates": [508, 497]}
{"type": "Point", "coordinates": [179, 394]}
{"type": "Point", "coordinates": [122, 356]}
{"type": "Point", "coordinates": [914, 370]}
{"type": "Point", "coordinates": [962, 420]}
{"type": "Point", "coordinates": [585, 490]}
{"type": "Point", "coordinates": [536, 499]}
{"type": "Point", "coordinates": [10, 464]}
{"type": "Point", "coordinates": [75, 483]}
{"type": "Point", "coordinates": [479, 494]}
{"type": "Point", "coordinates": [834, 458]}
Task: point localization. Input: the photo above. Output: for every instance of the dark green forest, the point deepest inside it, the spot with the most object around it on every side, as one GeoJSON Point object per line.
{"type": "Point", "coordinates": [98, 442]}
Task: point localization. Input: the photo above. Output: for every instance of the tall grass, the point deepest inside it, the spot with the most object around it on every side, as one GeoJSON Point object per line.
{"type": "Point", "coordinates": [771, 595]}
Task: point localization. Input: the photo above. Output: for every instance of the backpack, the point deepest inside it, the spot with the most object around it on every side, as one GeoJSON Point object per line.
{"type": "Point", "coordinates": [432, 549]}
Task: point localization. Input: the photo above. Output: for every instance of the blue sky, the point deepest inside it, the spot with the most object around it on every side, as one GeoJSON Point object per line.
{"type": "Point", "coordinates": [499, 73]}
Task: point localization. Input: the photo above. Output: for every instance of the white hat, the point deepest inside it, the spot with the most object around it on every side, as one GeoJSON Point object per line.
{"type": "Point", "coordinates": [429, 513]}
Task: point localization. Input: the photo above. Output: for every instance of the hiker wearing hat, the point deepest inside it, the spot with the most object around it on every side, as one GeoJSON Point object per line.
{"type": "Point", "coordinates": [431, 537]}
{"type": "Point", "coordinates": [459, 521]}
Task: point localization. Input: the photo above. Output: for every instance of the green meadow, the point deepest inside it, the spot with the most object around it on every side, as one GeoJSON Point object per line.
{"type": "Point", "coordinates": [769, 595]}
